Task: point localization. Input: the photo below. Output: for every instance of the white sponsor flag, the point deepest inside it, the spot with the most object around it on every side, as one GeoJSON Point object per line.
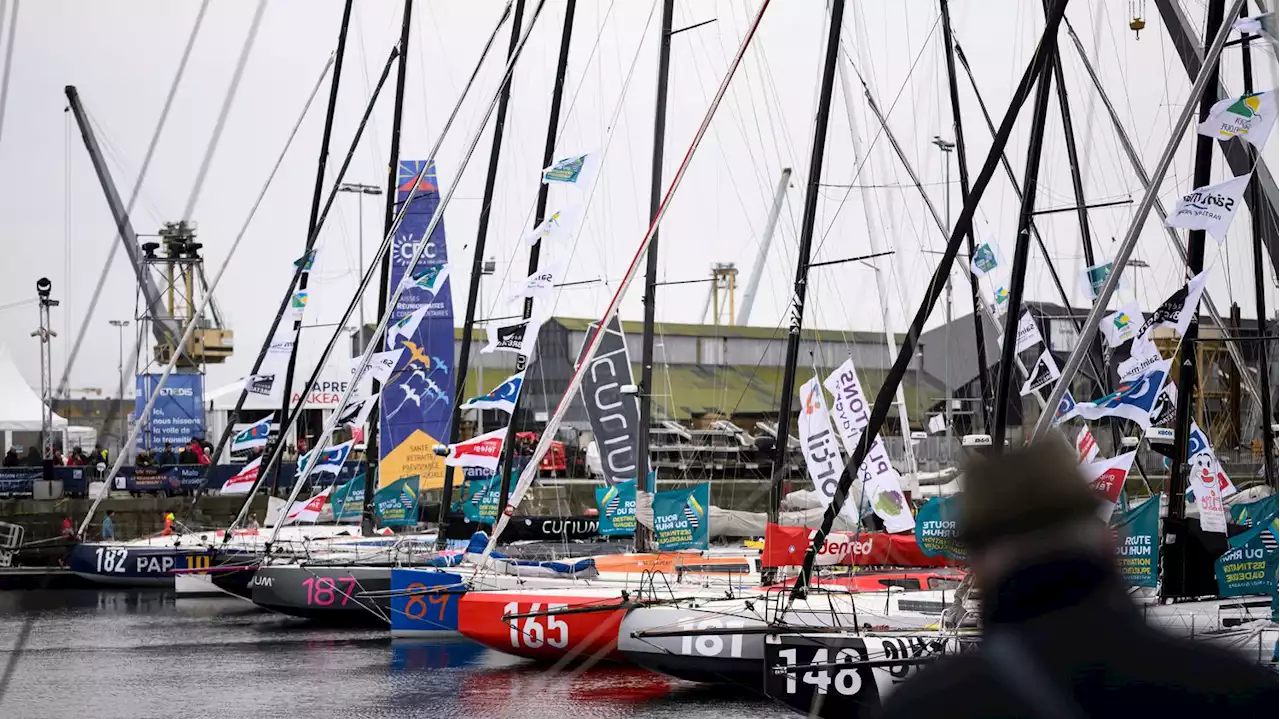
{"type": "Point", "coordinates": [255, 435]}
{"type": "Point", "coordinates": [1028, 333]}
{"type": "Point", "coordinates": [357, 410]}
{"type": "Point", "coordinates": [1043, 372]}
{"type": "Point", "coordinates": [1091, 279]}
{"type": "Point", "coordinates": [1210, 208]}
{"type": "Point", "coordinates": [1107, 479]}
{"type": "Point", "coordinates": [558, 226]}
{"type": "Point", "coordinates": [1204, 484]}
{"type": "Point", "coordinates": [241, 482]}
{"type": "Point", "coordinates": [818, 442]}
{"type": "Point", "coordinates": [297, 305]}
{"type": "Point", "coordinates": [1198, 444]}
{"type": "Point", "coordinates": [937, 423]}
{"type": "Point", "coordinates": [1178, 310]}
{"type": "Point", "coordinates": [1121, 326]}
{"type": "Point", "coordinates": [1251, 25]}
{"type": "Point", "coordinates": [308, 510]}
{"type": "Point", "coordinates": [576, 170]}
{"type": "Point", "coordinates": [430, 278]}
{"type": "Point", "coordinates": [538, 285]}
{"type": "Point", "coordinates": [518, 336]}
{"type": "Point", "coordinates": [984, 260]}
{"type": "Point", "coordinates": [482, 451]}
{"type": "Point", "coordinates": [1143, 355]}
{"type": "Point", "coordinates": [1250, 117]}
{"type": "Point", "coordinates": [380, 366]}
{"type": "Point", "coordinates": [503, 397]}
{"type": "Point", "coordinates": [1132, 400]}
{"type": "Point", "coordinates": [406, 326]}
{"type": "Point", "coordinates": [1086, 447]}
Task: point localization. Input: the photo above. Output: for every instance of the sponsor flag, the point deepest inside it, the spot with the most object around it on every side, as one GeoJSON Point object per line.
{"type": "Point", "coordinates": [877, 481]}
{"type": "Point", "coordinates": [1138, 543]}
{"type": "Point", "coordinates": [396, 504]}
{"type": "Point", "coordinates": [1000, 301]}
{"type": "Point", "coordinates": [1086, 446]}
{"type": "Point", "coordinates": [406, 326]}
{"type": "Point", "coordinates": [298, 305]}
{"type": "Point", "coordinates": [1166, 404]}
{"type": "Point", "coordinates": [481, 505]}
{"type": "Point", "coordinates": [1247, 514]}
{"type": "Point", "coordinates": [356, 412]}
{"type": "Point", "coordinates": [1204, 482]}
{"type": "Point", "coordinates": [1210, 208]}
{"type": "Point", "coordinates": [1143, 355]}
{"type": "Point", "coordinates": [1198, 444]}
{"type": "Point", "coordinates": [380, 366]}
{"type": "Point", "coordinates": [503, 397]}
{"type": "Point", "coordinates": [1044, 371]}
{"type": "Point", "coordinates": [1106, 477]}
{"type": "Point", "coordinates": [1121, 326]}
{"type": "Point", "coordinates": [520, 336]}
{"type": "Point", "coordinates": [818, 442]}
{"type": "Point", "coordinates": [1091, 279]}
{"type": "Point", "coordinates": [1251, 565]}
{"type": "Point", "coordinates": [937, 423]}
{"type": "Point", "coordinates": [1066, 409]}
{"type": "Point", "coordinates": [538, 285]}
{"type": "Point", "coordinates": [1133, 399]}
{"type": "Point", "coordinates": [617, 508]}
{"type": "Point", "coordinates": [680, 518]}
{"type": "Point", "coordinates": [576, 170]}
{"type": "Point", "coordinates": [263, 385]}
{"type": "Point", "coordinates": [557, 227]}
{"type": "Point", "coordinates": [308, 510]}
{"type": "Point", "coordinates": [347, 501]}
{"type": "Point", "coordinates": [984, 260]}
{"type": "Point", "coordinates": [1178, 310]}
{"type": "Point", "coordinates": [255, 435]}
{"type": "Point", "coordinates": [936, 529]}
{"type": "Point", "coordinates": [430, 278]}
{"type": "Point", "coordinates": [331, 460]}
{"type": "Point", "coordinates": [482, 451]}
{"type": "Point", "coordinates": [1249, 117]}
{"type": "Point", "coordinates": [242, 482]}
{"type": "Point", "coordinates": [785, 546]}
{"type": "Point", "coordinates": [306, 261]}
{"type": "Point", "coordinates": [1028, 333]}
{"type": "Point", "coordinates": [613, 416]}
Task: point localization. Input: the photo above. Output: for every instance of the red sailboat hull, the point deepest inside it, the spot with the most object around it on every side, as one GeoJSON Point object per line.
{"type": "Point", "coordinates": [587, 632]}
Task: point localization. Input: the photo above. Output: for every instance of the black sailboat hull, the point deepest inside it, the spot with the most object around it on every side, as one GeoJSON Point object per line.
{"type": "Point", "coordinates": [332, 595]}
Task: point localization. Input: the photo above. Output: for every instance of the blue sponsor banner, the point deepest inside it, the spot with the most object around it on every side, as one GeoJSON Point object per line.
{"type": "Point", "coordinates": [178, 415]}
{"type": "Point", "coordinates": [16, 481]}
{"type": "Point", "coordinates": [417, 402]}
{"type": "Point", "coordinates": [414, 609]}
{"type": "Point", "coordinates": [617, 507]}
{"type": "Point", "coordinates": [482, 495]}
{"type": "Point", "coordinates": [347, 501]}
{"type": "Point", "coordinates": [1249, 567]}
{"type": "Point", "coordinates": [152, 479]}
{"type": "Point", "coordinates": [936, 529]}
{"type": "Point", "coordinates": [1248, 513]}
{"type": "Point", "coordinates": [397, 503]}
{"type": "Point", "coordinates": [680, 518]}
{"type": "Point", "coordinates": [1138, 543]}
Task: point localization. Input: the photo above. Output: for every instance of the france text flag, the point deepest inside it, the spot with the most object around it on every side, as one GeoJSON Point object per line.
{"type": "Point", "coordinates": [252, 436]}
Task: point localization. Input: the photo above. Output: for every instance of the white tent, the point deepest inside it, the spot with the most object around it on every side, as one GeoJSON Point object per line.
{"type": "Point", "coordinates": [20, 407]}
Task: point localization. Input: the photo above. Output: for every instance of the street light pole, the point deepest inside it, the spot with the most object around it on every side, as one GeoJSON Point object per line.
{"type": "Point", "coordinates": [946, 147]}
{"type": "Point", "coordinates": [362, 190]}
{"type": "Point", "coordinates": [124, 429]}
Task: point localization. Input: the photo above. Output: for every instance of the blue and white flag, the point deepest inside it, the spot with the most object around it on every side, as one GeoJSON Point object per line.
{"type": "Point", "coordinates": [1133, 399]}
{"type": "Point", "coordinates": [406, 326]}
{"type": "Point", "coordinates": [1066, 409]}
{"type": "Point", "coordinates": [431, 279]}
{"type": "Point", "coordinates": [331, 460]}
{"type": "Point", "coordinates": [503, 396]}
{"type": "Point", "coordinates": [255, 435]}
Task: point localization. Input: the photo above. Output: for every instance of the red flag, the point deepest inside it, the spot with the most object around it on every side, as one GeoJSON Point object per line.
{"type": "Point", "coordinates": [786, 546]}
{"type": "Point", "coordinates": [1107, 479]}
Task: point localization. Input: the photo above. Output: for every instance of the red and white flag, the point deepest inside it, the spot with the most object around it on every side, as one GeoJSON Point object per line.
{"type": "Point", "coordinates": [481, 451]}
{"type": "Point", "coordinates": [242, 482]}
{"type": "Point", "coordinates": [1107, 479]}
{"type": "Point", "coordinates": [1086, 447]}
{"type": "Point", "coordinates": [308, 510]}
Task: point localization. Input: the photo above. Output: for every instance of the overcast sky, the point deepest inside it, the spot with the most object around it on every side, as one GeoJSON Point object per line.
{"type": "Point", "coordinates": [122, 56]}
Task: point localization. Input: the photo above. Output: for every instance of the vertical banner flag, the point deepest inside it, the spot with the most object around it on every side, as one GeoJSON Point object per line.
{"type": "Point", "coordinates": [617, 508]}
{"type": "Point", "coordinates": [936, 529]}
{"type": "Point", "coordinates": [1198, 443]}
{"type": "Point", "coordinates": [255, 435]}
{"type": "Point", "coordinates": [614, 417]}
{"type": "Point", "coordinates": [1106, 477]}
{"type": "Point", "coordinates": [1249, 117]}
{"type": "Point", "coordinates": [417, 403]}
{"type": "Point", "coordinates": [1044, 371]}
{"type": "Point", "coordinates": [680, 518]}
{"type": "Point", "coordinates": [178, 414]}
{"type": "Point", "coordinates": [1000, 301]}
{"type": "Point", "coordinates": [347, 501]}
{"type": "Point", "coordinates": [481, 505]}
{"type": "Point", "coordinates": [1249, 567]}
{"type": "Point", "coordinates": [984, 260]}
{"type": "Point", "coordinates": [397, 503]}
{"type": "Point", "coordinates": [1028, 333]}
{"type": "Point", "coordinates": [1121, 326]}
{"type": "Point", "coordinates": [818, 443]}
{"type": "Point", "coordinates": [1210, 208]}
{"type": "Point", "coordinates": [1137, 543]}
{"type": "Point", "coordinates": [1166, 405]}
{"type": "Point", "coordinates": [1203, 479]}
{"type": "Point", "coordinates": [1086, 447]}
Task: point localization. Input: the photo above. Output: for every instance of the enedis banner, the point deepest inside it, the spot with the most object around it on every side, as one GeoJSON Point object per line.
{"type": "Point", "coordinates": [680, 518]}
{"type": "Point", "coordinates": [936, 529]}
{"type": "Point", "coordinates": [417, 400]}
{"type": "Point", "coordinates": [617, 507]}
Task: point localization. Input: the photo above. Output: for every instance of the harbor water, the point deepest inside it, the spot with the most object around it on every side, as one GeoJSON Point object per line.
{"type": "Point", "coordinates": [136, 654]}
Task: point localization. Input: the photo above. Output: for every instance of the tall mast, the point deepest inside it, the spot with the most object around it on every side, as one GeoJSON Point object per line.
{"type": "Point", "coordinates": [299, 279]}
{"type": "Point", "coordinates": [1029, 186]}
{"type": "Point", "coordinates": [651, 268]}
{"type": "Point", "coordinates": [984, 382]}
{"type": "Point", "coordinates": [1195, 263]}
{"type": "Point", "coordinates": [782, 451]}
{"type": "Point", "coordinates": [1259, 290]}
{"type": "Point", "coordinates": [393, 173]}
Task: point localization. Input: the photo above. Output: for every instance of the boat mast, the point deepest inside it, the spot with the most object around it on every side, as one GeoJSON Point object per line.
{"type": "Point", "coordinates": [535, 252]}
{"type": "Point", "coordinates": [1259, 290]}
{"type": "Point", "coordinates": [393, 173]}
{"type": "Point", "coordinates": [642, 539]}
{"type": "Point", "coordinates": [1187, 347]}
{"type": "Point", "coordinates": [885, 396]}
{"type": "Point", "coordinates": [1030, 184]}
{"type": "Point", "coordinates": [782, 449]}
{"type": "Point", "coordinates": [299, 279]}
{"type": "Point", "coordinates": [984, 382]}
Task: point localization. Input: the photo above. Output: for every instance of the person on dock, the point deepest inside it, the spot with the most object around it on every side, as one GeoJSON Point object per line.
{"type": "Point", "coordinates": [11, 458]}
{"type": "Point", "coordinates": [167, 457]}
{"type": "Point", "coordinates": [1061, 637]}
{"type": "Point", "coordinates": [68, 528]}
{"type": "Point", "coordinates": [77, 458]}
{"type": "Point", "coordinates": [109, 526]}
{"type": "Point", "coordinates": [168, 523]}
{"type": "Point", "coordinates": [33, 457]}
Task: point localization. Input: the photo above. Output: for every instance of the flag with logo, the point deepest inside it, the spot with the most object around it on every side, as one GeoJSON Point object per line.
{"type": "Point", "coordinates": [818, 442]}
{"type": "Point", "coordinates": [502, 397]}
{"type": "Point", "coordinates": [1204, 482]}
{"type": "Point", "coordinates": [680, 518]}
{"type": "Point", "coordinates": [1166, 404]}
{"type": "Point", "coordinates": [1133, 399]}
{"type": "Point", "coordinates": [519, 336]}
{"type": "Point", "coordinates": [537, 285]}
{"type": "Point", "coordinates": [576, 170]}
{"type": "Point", "coordinates": [481, 504]}
{"type": "Point", "coordinates": [1198, 444]}
{"type": "Point", "coordinates": [937, 423]}
{"type": "Point", "coordinates": [305, 262]}
{"type": "Point", "coordinates": [1092, 278]}
{"type": "Point", "coordinates": [1066, 409]}
{"type": "Point", "coordinates": [1249, 117]}
{"type": "Point", "coordinates": [482, 451]}
{"type": "Point", "coordinates": [1121, 326]}
{"type": "Point", "coordinates": [556, 228]}
{"type": "Point", "coordinates": [308, 510]}
{"type": "Point", "coordinates": [379, 367]}
{"type": "Point", "coordinates": [1028, 334]}
{"type": "Point", "coordinates": [1250, 566]}
{"type": "Point", "coordinates": [1107, 477]}
{"type": "Point", "coordinates": [1143, 355]}
{"type": "Point", "coordinates": [356, 411]}
{"type": "Point", "coordinates": [1000, 301]}
{"type": "Point", "coordinates": [1247, 514]}
{"type": "Point", "coordinates": [876, 480]}
{"type": "Point", "coordinates": [255, 435]}
{"type": "Point", "coordinates": [406, 326]}
{"type": "Point", "coordinates": [936, 533]}
{"type": "Point", "coordinates": [1045, 371]}
{"type": "Point", "coordinates": [984, 260]}
{"type": "Point", "coordinates": [617, 508]}
{"type": "Point", "coordinates": [430, 278]}
{"type": "Point", "coordinates": [1210, 208]}
{"type": "Point", "coordinates": [396, 504]}
{"type": "Point", "coordinates": [298, 305]}
{"type": "Point", "coordinates": [1178, 310]}
{"type": "Point", "coordinates": [331, 459]}
{"type": "Point", "coordinates": [242, 482]}
{"type": "Point", "coordinates": [347, 501]}
{"type": "Point", "coordinates": [1137, 542]}
{"type": "Point", "coordinates": [1086, 446]}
